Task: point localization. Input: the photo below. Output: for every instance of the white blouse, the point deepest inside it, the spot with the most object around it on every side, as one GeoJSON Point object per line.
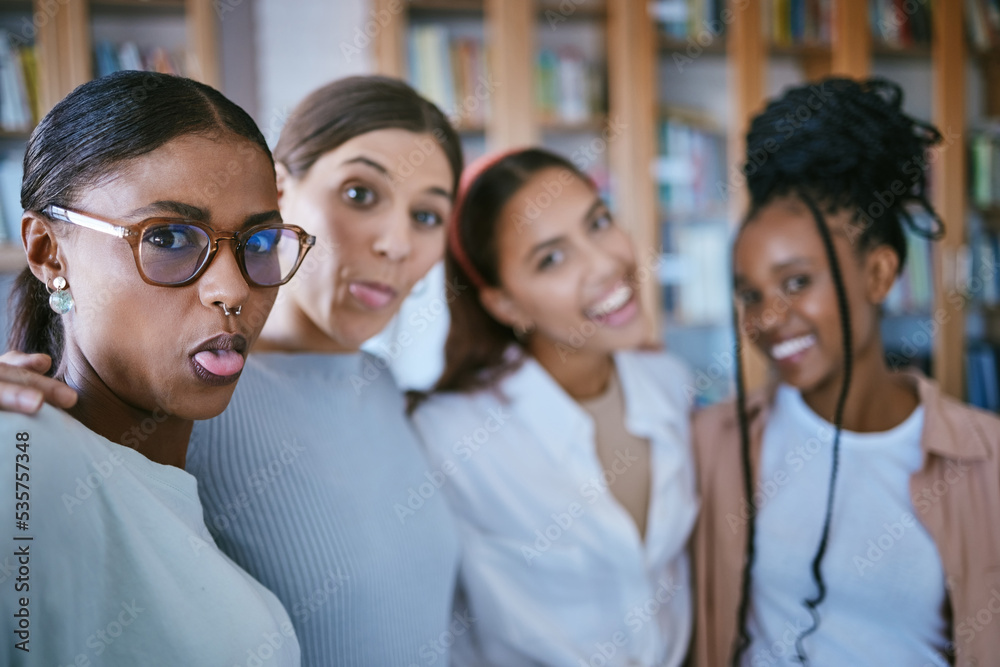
{"type": "Point", "coordinates": [554, 569]}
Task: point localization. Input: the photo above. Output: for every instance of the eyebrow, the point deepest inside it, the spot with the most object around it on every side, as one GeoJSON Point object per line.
{"type": "Point", "coordinates": [738, 279]}
{"type": "Point", "coordinates": [170, 206]}
{"type": "Point", "coordinates": [361, 159]}
{"type": "Point", "coordinates": [195, 213]}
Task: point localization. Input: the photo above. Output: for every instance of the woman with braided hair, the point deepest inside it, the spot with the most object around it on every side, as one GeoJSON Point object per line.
{"type": "Point", "coordinates": [848, 510]}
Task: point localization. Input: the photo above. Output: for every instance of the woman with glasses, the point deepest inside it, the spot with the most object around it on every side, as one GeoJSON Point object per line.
{"type": "Point", "coordinates": [312, 479]}
{"type": "Point", "coordinates": [110, 561]}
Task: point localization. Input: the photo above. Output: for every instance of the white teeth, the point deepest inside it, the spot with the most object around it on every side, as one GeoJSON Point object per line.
{"type": "Point", "coordinates": [618, 298]}
{"type": "Point", "coordinates": [791, 347]}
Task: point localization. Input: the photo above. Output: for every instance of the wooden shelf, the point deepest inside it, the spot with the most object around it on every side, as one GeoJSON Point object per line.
{"type": "Point", "coordinates": [882, 50]}
{"type": "Point", "coordinates": [12, 257]}
{"type": "Point", "coordinates": [447, 5]}
{"type": "Point", "coordinates": [801, 50]}
{"type": "Point", "coordinates": [19, 135]}
{"type": "Point", "coordinates": [991, 218]}
{"type": "Point", "coordinates": [136, 6]}
{"type": "Point", "coordinates": [470, 128]}
{"type": "Point", "coordinates": [668, 45]}
{"type": "Point", "coordinates": [557, 126]}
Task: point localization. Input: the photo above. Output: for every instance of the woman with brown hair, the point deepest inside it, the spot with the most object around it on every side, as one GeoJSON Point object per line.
{"type": "Point", "coordinates": [563, 450]}
{"type": "Point", "coordinates": [302, 476]}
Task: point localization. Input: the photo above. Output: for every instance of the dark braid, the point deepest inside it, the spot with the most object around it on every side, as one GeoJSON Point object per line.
{"type": "Point", "coordinates": [742, 637]}
{"type": "Point", "coordinates": [857, 150]}
{"type": "Point", "coordinates": [838, 417]}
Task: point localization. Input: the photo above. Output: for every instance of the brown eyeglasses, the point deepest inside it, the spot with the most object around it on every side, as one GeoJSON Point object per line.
{"type": "Point", "coordinates": [173, 252]}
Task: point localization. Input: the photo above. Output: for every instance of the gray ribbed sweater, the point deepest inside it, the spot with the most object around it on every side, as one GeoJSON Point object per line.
{"type": "Point", "coordinates": [305, 480]}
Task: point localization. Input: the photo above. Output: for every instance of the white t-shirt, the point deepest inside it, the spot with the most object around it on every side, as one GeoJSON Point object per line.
{"type": "Point", "coordinates": [885, 588]}
{"type": "Point", "coordinates": [119, 568]}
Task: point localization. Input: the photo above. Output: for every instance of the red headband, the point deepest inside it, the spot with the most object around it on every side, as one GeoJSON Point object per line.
{"type": "Point", "coordinates": [470, 175]}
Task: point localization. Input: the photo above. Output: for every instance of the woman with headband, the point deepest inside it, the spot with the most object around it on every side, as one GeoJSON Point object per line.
{"type": "Point", "coordinates": [564, 451]}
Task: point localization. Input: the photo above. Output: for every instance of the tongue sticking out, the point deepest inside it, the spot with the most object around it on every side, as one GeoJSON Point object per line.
{"type": "Point", "coordinates": [220, 362]}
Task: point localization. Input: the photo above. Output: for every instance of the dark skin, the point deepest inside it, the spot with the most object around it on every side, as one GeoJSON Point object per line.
{"type": "Point", "coordinates": [131, 347]}
{"type": "Point", "coordinates": [786, 294]}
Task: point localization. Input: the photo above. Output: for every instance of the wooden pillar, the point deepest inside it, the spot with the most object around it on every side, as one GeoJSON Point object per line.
{"type": "Point", "coordinates": [632, 112]}
{"type": "Point", "coordinates": [203, 41]}
{"type": "Point", "coordinates": [510, 41]}
{"type": "Point", "coordinates": [852, 39]}
{"type": "Point", "coordinates": [950, 188]}
{"type": "Point", "coordinates": [390, 41]}
{"type": "Point", "coordinates": [747, 58]}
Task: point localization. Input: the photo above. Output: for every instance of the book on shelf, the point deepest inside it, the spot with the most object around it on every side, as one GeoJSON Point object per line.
{"type": "Point", "coordinates": [10, 195]}
{"type": "Point", "coordinates": [984, 271]}
{"type": "Point", "coordinates": [690, 166]}
{"type": "Point", "coordinates": [451, 72]}
{"type": "Point", "coordinates": [18, 86]}
{"type": "Point", "coordinates": [700, 293]}
{"type": "Point", "coordinates": [984, 166]}
{"type": "Point", "coordinates": [110, 58]}
{"type": "Point", "coordinates": [680, 19]}
{"type": "Point", "coordinates": [901, 24]}
{"type": "Point", "coordinates": [913, 291]}
{"type": "Point", "coordinates": [568, 87]}
{"type": "Point", "coordinates": [983, 23]}
{"type": "Point", "coordinates": [798, 22]}
{"type": "Point", "coordinates": [982, 375]}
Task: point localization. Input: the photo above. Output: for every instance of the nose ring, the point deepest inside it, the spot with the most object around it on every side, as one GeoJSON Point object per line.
{"type": "Point", "coordinates": [227, 312]}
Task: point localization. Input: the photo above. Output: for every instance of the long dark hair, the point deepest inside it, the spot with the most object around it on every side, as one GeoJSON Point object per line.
{"type": "Point", "coordinates": [475, 352]}
{"type": "Point", "coordinates": [355, 105]}
{"type": "Point", "coordinates": [87, 137]}
{"type": "Point", "coordinates": [858, 151]}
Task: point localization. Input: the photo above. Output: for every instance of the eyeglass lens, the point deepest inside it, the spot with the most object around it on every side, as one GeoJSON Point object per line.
{"type": "Point", "coordinates": [172, 253]}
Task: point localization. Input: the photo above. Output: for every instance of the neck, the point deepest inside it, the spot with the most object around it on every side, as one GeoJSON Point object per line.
{"type": "Point", "coordinates": [288, 329]}
{"type": "Point", "coordinates": [877, 399]}
{"type": "Point", "coordinates": [581, 374]}
{"type": "Point", "coordinates": [157, 435]}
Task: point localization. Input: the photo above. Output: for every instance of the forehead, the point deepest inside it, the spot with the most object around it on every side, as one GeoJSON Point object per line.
{"type": "Point", "coordinates": [225, 172]}
{"type": "Point", "coordinates": [552, 202]}
{"type": "Point", "coordinates": [409, 157]}
{"type": "Point", "coordinates": [785, 230]}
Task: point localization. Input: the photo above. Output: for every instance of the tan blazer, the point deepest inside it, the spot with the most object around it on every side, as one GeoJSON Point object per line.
{"type": "Point", "coordinates": [956, 494]}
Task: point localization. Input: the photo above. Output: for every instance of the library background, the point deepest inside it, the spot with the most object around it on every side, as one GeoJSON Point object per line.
{"type": "Point", "coordinates": [652, 98]}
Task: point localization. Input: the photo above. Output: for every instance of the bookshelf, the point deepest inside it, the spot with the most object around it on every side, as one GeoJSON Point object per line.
{"type": "Point", "coordinates": [661, 67]}
{"type": "Point", "coordinates": [983, 287]}
{"type": "Point", "coordinates": [170, 35]}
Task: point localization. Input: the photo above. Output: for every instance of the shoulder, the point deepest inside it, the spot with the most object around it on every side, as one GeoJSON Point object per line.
{"type": "Point", "coordinates": [444, 417]}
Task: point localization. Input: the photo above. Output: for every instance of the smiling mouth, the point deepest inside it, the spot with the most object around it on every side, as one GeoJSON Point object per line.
{"type": "Point", "coordinates": [791, 347]}
{"type": "Point", "coordinates": [617, 308]}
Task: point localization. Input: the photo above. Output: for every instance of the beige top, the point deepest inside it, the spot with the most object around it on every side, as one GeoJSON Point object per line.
{"type": "Point", "coordinates": [956, 494]}
{"type": "Point", "coordinates": [624, 457]}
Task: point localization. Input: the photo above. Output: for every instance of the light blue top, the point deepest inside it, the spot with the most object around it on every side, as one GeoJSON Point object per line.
{"type": "Point", "coordinates": [113, 565]}
{"type": "Point", "coordinates": [303, 478]}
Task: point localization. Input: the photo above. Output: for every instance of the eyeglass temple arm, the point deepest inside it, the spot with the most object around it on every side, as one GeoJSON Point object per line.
{"type": "Point", "coordinates": [59, 213]}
